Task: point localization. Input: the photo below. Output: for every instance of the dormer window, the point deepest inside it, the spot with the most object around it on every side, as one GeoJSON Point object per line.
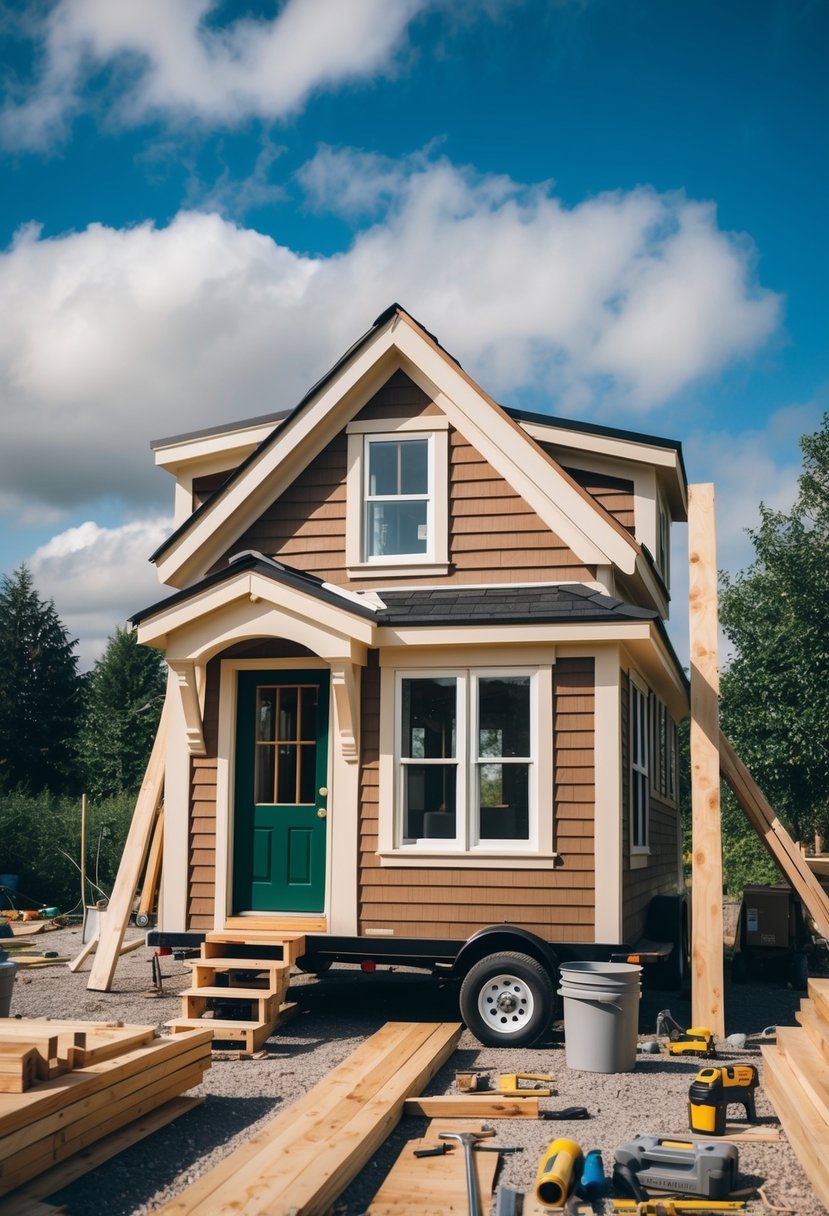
{"type": "Point", "coordinates": [397, 508]}
{"type": "Point", "coordinates": [397, 496]}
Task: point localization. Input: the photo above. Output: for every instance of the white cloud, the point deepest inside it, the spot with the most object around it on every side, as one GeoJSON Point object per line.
{"type": "Point", "coordinates": [174, 61]}
{"type": "Point", "coordinates": [98, 577]}
{"type": "Point", "coordinates": [114, 337]}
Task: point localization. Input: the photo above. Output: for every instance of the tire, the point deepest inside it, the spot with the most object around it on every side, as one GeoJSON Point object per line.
{"type": "Point", "coordinates": [507, 999]}
{"type": "Point", "coordinates": [142, 920]}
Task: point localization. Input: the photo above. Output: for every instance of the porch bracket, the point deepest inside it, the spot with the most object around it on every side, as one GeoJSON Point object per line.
{"type": "Point", "coordinates": [345, 699]}
{"type": "Point", "coordinates": [185, 673]}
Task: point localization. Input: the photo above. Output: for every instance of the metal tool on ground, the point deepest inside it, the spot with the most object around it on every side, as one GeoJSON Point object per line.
{"type": "Point", "coordinates": [468, 1140]}
{"type": "Point", "coordinates": [514, 1084]}
{"type": "Point", "coordinates": [471, 1082]}
{"type": "Point", "coordinates": [439, 1150]}
{"type": "Point", "coordinates": [685, 1166]}
{"type": "Point", "coordinates": [558, 1171]}
{"type": "Point", "coordinates": [592, 1185]}
{"type": "Point", "coordinates": [506, 1202]}
{"type": "Point", "coordinates": [713, 1090]}
{"type": "Point", "coordinates": [678, 1207]}
{"type": "Point", "coordinates": [693, 1041]}
{"type": "Point", "coordinates": [567, 1112]}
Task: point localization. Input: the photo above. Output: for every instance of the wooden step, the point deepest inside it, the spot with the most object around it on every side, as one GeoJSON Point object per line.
{"type": "Point", "coordinates": [806, 1062]}
{"type": "Point", "coordinates": [275, 977]}
{"type": "Point", "coordinates": [291, 946]}
{"type": "Point", "coordinates": [818, 992]}
{"type": "Point", "coordinates": [252, 1034]}
{"type": "Point", "coordinates": [239, 964]}
{"type": "Point", "coordinates": [265, 1005]}
{"type": "Point", "coordinates": [802, 1122]}
{"type": "Point", "coordinates": [815, 1027]}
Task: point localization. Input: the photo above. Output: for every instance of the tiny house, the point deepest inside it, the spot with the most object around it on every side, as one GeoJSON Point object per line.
{"type": "Point", "coordinates": [423, 703]}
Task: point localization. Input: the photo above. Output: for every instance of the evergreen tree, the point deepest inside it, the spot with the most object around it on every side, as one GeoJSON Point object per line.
{"type": "Point", "coordinates": [40, 691]}
{"type": "Point", "coordinates": [124, 697]}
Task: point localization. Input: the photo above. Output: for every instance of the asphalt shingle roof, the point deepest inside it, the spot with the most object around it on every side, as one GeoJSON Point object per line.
{"type": "Point", "coordinates": [505, 605]}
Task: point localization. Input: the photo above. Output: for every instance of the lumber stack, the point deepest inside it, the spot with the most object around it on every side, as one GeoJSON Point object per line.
{"type": "Point", "coordinates": [304, 1158]}
{"type": "Point", "coordinates": [240, 986]}
{"type": "Point", "coordinates": [65, 1085]}
{"type": "Point", "coordinates": [796, 1079]}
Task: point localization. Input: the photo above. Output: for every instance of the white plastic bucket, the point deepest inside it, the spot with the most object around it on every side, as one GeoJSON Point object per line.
{"type": "Point", "coordinates": [601, 1015]}
{"type": "Point", "coordinates": [7, 973]}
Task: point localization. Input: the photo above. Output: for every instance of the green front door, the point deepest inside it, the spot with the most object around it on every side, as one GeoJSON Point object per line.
{"type": "Point", "coordinates": [281, 791]}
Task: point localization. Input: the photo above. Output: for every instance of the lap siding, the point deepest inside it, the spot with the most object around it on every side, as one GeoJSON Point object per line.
{"type": "Point", "coordinates": [456, 901]}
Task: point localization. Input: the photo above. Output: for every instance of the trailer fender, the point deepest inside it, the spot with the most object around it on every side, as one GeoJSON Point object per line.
{"type": "Point", "coordinates": [496, 939]}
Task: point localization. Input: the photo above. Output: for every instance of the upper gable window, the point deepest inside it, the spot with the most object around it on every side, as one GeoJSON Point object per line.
{"type": "Point", "coordinates": [397, 497]}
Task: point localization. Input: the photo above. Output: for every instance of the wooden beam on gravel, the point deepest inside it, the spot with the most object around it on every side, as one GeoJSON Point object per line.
{"type": "Point", "coordinates": [472, 1106]}
{"type": "Point", "coordinates": [434, 1186]}
{"type": "Point", "coordinates": [116, 917]}
{"type": "Point", "coordinates": [707, 977]}
{"type": "Point", "coordinates": [303, 1159]}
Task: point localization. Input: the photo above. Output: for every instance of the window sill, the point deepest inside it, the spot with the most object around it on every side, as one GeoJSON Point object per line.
{"type": "Point", "coordinates": [445, 859]}
{"type": "Point", "coordinates": [639, 860]}
{"type": "Point", "coordinates": [378, 570]}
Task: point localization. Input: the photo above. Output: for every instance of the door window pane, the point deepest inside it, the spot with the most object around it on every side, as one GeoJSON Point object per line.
{"type": "Point", "coordinates": [288, 719]}
{"type": "Point", "coordinates": [265, 714]}
{"type": "Point", "coordinates": [264, 775]}
{"type": "Point", "coordinates": [307, 773]}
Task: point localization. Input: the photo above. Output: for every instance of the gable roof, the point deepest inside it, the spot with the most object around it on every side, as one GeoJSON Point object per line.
{"type": "Point", "coordinates": [395, 340]}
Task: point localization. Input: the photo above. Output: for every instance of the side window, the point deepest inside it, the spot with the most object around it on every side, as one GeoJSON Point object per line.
{"type": "Point", "coordinates": [663, 542]}
{"type": "Point", "coordinates": [639, 767]}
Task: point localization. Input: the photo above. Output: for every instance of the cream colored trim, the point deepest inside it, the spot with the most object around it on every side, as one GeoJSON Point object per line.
{"type": "Point", "coordinates": [468, 861]}
{"type": "Point", "coordinates": [436, 561]}
{"type": "Point", "coordinates": [251, 605]}
{"type": "Point", "coordinates": [344, 688]}
{"type": "Point", "coordinates": [374, 426]}
{"type": "Point", "coordinates": [639, 851]}
{"type": "Point", "coordinates": [224, 450]}
{"type": "Point", "coordinates": [437, 635]}
{"type": "Point", "coordinates": [399, 343]}
{"type": "Point", "coordinates": [185, 679]}
{"type": "Point", "coordinates": [608, 912]}
{"type": "Point", "coordinates": [467, 656]}
{"type": "Point", "coordinates": [275, 466]}
{"type": "Point", "coordinates": [183, 500]}
{"type": "Point", "coordinates": [225, 767]}
{"type": "Point", "coordinates": [175, 870]}
{"type": "Point", "coordinates": [344, 802]}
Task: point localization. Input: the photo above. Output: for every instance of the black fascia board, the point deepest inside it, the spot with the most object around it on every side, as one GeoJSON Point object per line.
{"type": "Point", "coordinates": [309, 583]}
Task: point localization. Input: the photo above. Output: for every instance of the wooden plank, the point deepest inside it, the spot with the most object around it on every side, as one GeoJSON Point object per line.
{"type": "Point", "coordinates": [774, 835]}
{"type": "Point", "coordinates": [807, 1133]}
{"type": "Point", "coordinates": [114, 924]}
{"type": "Point", "coordinates": [472, 1106]}
{"type": "Point", "coordinates": [815, 1027]}
{"type": "Point", "coordinates": [305, 1157]}
{"type": "Point", "coordinates": [109, 1146]}
{"type": "Point", "coordinates": [806, 1063]}
{"type": "Point", "coordinates": [433, 1186]}
{"type": "Point", "coordinates": [153, 870]}
{"type": "Point", "coordinates": [78, 961]}
{"type": "Point", "coordinates": [707, 1007]}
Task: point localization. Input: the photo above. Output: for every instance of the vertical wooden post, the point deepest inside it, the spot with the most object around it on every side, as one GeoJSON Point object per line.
{"type": "Point", "coordinates": [83, 854]}
{"type": "Point", "coordinates": [707, 1007]}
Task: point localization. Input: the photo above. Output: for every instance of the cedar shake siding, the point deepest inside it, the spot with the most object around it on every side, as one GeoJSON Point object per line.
{"type": "Point", "coordinates": [455, 902]}
{"type": "Point", "coordinates": [494, 536]}
{"type": "Point", "coordinates": [615, 494]}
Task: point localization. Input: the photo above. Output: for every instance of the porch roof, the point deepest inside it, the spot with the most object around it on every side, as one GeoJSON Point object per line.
{"type": "Point", "coordinates": [568, 602]}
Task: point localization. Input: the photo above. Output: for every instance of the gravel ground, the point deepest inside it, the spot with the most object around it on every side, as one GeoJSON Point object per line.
{"type": "Point", "coordinates": [340, 1010]}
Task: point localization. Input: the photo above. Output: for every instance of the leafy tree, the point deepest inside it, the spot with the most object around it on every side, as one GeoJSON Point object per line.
{"type": "Point", "coordinates": [125, 692]}
{"type": "Point", "coordinates": [40, 691]}
{"type": "Point", "coordinates": [775, 692]}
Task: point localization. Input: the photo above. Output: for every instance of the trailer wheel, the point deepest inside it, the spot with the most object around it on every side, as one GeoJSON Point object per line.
{"type": "Point", "coordinates": [507, 999]}
{"type": "Point", "coordinates": [308, 964]}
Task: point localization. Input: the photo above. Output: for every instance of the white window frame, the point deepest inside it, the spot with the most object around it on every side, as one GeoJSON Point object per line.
{"type": "Point", "coordinates": [662, 555]}
{"type": "Point", "coordinates": [467, 842]}
{"type": "Point", "coordinates": [394, 559]}
{"type": "Point", "coordinates": [435, 560]}
{"type": "Point", "coordinates": [639, 725]}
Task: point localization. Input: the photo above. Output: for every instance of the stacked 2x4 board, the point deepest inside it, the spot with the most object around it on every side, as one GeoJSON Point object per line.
{"type": "Point", "coordinates": [66, 1085]}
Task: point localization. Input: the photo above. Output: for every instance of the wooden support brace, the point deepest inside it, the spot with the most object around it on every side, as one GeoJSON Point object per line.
{"type": "Point", "coordinates": [114, 926]}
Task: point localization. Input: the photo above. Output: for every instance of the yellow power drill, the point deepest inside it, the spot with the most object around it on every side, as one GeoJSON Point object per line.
{"type": "Point", "coordinates": [714, 1090]}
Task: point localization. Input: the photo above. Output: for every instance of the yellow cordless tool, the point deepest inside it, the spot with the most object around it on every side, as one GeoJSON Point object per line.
{"type": "Point", "coordinates": [714, 1089]}
{"type": "Point", "coordinates": [677, 1207]}
{"type": "Point", "coordinates": [695, 1041]}
{"type": "Point", "coordinates": [510, 1084]}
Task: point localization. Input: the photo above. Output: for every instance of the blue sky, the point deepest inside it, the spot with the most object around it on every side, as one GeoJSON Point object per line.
{"type": "Point", "coordinates": [607, 210]}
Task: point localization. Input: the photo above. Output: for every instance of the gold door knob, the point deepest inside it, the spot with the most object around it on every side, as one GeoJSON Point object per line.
{"type": "Point", "coordinates": [323, 791]}
{"type": "Point", "coordinates": [322, 813]}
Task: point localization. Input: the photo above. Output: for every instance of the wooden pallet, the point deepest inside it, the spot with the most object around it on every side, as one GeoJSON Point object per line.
{"type": "Point", "coordinates": [247, 970]}
{"type": "Point", "coordinates": [99, 1078]}
{"type": "Point", "coordinates": [797, 1083]}
{"type": "Point", "coordinates": [302, 1160]}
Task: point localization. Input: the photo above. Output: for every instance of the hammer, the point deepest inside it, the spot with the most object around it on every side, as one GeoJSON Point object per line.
{"type": "Point", "coordinates": [468, 1140]}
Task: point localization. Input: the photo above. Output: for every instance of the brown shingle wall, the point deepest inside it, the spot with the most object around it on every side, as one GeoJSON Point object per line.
{"type": "Point", "coordinates": [614, 493]}
{"type": "Point", "coordinates": [455, 902]}
{"type": "Point", "coordinates": [494, 535]}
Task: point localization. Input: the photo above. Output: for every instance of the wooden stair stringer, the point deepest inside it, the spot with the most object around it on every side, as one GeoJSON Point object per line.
{"type": "Point", "coordinates": [807, 1131]}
